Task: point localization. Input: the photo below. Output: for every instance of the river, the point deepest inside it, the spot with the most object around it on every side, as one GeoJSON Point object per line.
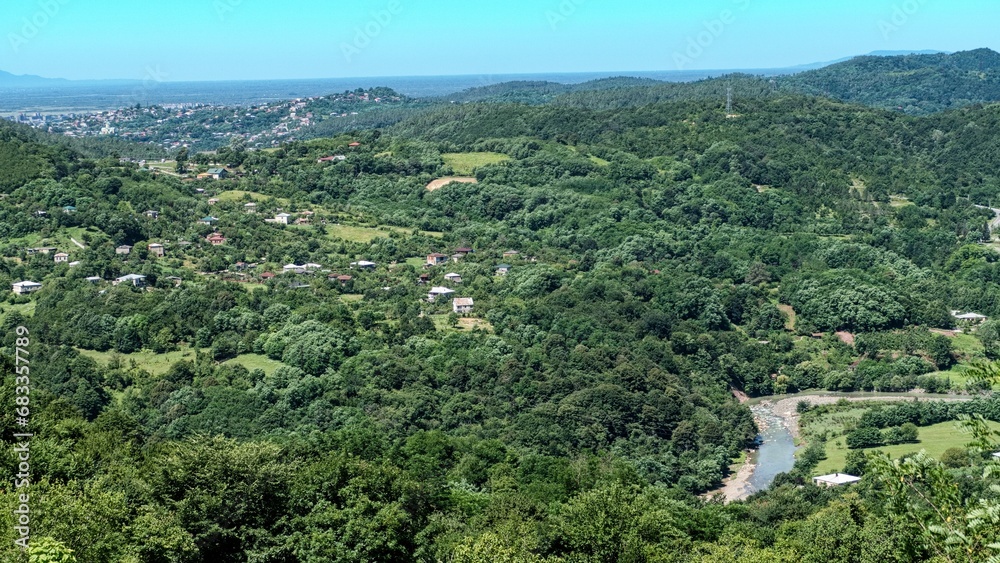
{"type": "Point", "coordinates": [776, 453]}
{"type": "Point", "coordinates": [777, 420]}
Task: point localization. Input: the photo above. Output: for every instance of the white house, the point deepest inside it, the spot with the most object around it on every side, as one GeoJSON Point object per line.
{"type": "Point", "coordinates": [282, 218]}
{"type": "Point", "coordinates": [503, 269]}
{"type": "Point", "coordinates": [250, 207]}
{"type": "Point", "coordinates": [61, 257]}
{"type": "Point", "coordinates": [25, 287]}
{"type": "Point", "coordinates": [93, 279]}
{"type": "Point", "coordinates": [156, 249]}
{"type": "Point", "coordinates": [462, 305]}
{"type": "Point", "coordinates": [312, 266]}
{"type": "Point", "coordinates": [135, 279]}
{"type": "Point", "coordinates": [453, 277]}
{"type": "Point", "coordinates": [124, 250]}
{"type": "Point", "coordinates": [835, 480]}
{"type": "Point", "coordinates": [294, 269]}
{"type": "Point", "coordinates": [971, 317]}
{"type": "Point", "coordinates": [363, 264]}
{"type": "Point", "coordinates": [436, 292]}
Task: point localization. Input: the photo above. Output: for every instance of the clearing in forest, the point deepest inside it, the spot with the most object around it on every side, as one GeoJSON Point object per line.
{"type": "Point", "coordinates": [465, 163]}
{"type": "Point", "coordinates": [442, 182]}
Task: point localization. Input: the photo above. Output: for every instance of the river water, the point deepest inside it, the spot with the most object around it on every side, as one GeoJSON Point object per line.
{"type": "Point", "coordinates": [776, 453]}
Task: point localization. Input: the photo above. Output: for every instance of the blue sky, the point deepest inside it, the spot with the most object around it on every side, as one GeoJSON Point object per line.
{"type": "Point", "coordinates": [258, 39]}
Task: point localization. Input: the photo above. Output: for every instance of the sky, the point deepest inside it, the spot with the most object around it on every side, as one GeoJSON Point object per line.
{"type": "Point", "coordinates": [185, 40]}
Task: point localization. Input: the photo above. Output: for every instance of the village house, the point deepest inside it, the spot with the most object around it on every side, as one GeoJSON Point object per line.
{"type": "Point", "coordinates": [218, 173]}
{"type": "Point", "coordinates": [423, 279]}
{"type": "Point", "coordinates": [453, 277]}
{"type": "Point", "coordinates": [93, 279]}
{"type": "Point", "coordinates": [436, 259]}
{"type": "Point", "coordinates": [26, 287]}
{"type": "Point", "coordinates": [135, 279]}
{"type": "Point", "coordinates": [503, 269]}
{"type": "Point", "coordinates": [213, 201]}
{"type": "Point", "coordinates": [463, 251]}
{"type": "Point", "coordinates": [267, 276]}
{"type": "Point", "coordinates": [69, 210]}
{"type": "Point", "coordinates": [123, 250]}
{"type": "Point", "coordinates": [294, 269]}
{"type": "Point", "coordinates": [462, 305]}
{"type": "Point", "coordinates": [363, 265]}
{"type": "Point", "coordinates": [972, 318]}
{"type": "Point", "coordinates": [511, 254]}
{"type": "Point", "coordinates": [74, 264]}
{"type": "Point", "coordinates": [156, 249]}
{"type": "Point", "coordinates": [216, 239]}
{"type": "Point", "coordinates": [334, 158]}
{"type": "Point", "coordinates": [208, 220]}
{"type": "Point", "coordinates": [456, 258]}
{"type": "Point", "coordinates": [61, 257]}
{"type": "Point", "coordinates": [282, 218]}
{"type": "Point", "coordinates": [437, 292]}
{"type": "Point", "coordinates": [153, 214]}
{"type": "Point", "coordinates": [835, 480]}
{"type": "Point", "coordinates": [250, 207]}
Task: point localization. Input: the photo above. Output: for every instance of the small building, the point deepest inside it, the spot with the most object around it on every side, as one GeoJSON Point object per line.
{"type": "Point", "coordinates": [69, 209]}
{"type": "Point", "coordinates": [354, 145]}
{"type": "Point", "coordinates": [436, 259]}
{"type": "Point", "coordinates": [177, 281]}
{"type": "Point", "coordinates": [153, 214]}
{"type": "Point", "coordinates": [423, 279]}
{"type": "Point", "coordinates": [312, 266]}
{"type": "Point", "coordinates": [61, 257]}
{"type": "Point", "coordinates": [334, 158]}
{"type": "Point", "coordinates": [996, 456]}
{"type": "Point", "coordinates": [208, 220]}
{"type": "Point", "coordinates": [453, 277]}
{"type": "Point", "coordinates": [462, 305]}
{"type": "Point", "coordinates": [835, 480]}
{"type": "Point", "coordinates": [282, 218]}
{"type": "Point", "coordinates": [26, 287]}
{"type": "Point", "coordinates": [136, 280]}
{"type": "Point", "coordinates": [74, 264]}
{"type": "Point", "coordinates": [124, 250]}
{"type": "Point", "coordinates": [216, 239]}
{"type": "Point", "coordinates": [250, 207]}
{"type": "Point", "coordinates": [503, 269]}
{"type": "Point", "coordinates": [342, 279]}
{"type": "Point", "coordinates": [41, 213]}
{"type": "Point", "coordinates": [437, 292]}
{"type": "Point", "coordinates": [974, 318]}
{"type": "Point", "coordinates": [213, 201]}
{"type": "Point", "coordinates": [511, 254]}
{"type": "Point", "coordinates": [464, 250]}
{"type": "Point", "coordinates": [218, 173]}
{"type": "Point", "coordinates": [93, 279]}
{"type": "Point", "coordinates": [294, 269]}
{"type": "Point", "coordinates": [364, 265]}
{"type": "Point", "coordinates": [156, 249]}
{"type": "Point", "coordinates": [456, 258]}
{"type": "Point", "coordinates": [267, 276]}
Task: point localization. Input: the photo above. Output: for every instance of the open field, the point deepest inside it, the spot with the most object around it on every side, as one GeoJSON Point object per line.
{"type": "Point", "coordinates": [238, 195]}
{"type": "Point", "coordinates": [255, 361]}
{"type": "Point", "coordinates": [156, 364]}
{"type": "Point", "coordinates": [465, 163]}
{"type": "Point", "coordinates": [442, 182]}
{"type": "Point", "coordinates": [465, 324]}
{"type": "Point", "coordinates": [934, 439]}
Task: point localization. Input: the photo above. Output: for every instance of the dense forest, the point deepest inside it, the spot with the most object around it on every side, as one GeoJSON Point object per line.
{"type": "Point", "coordinates": [281, 390]}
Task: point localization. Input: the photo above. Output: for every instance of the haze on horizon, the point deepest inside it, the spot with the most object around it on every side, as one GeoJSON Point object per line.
{"type": "Point", "coordinates": [189, 40]}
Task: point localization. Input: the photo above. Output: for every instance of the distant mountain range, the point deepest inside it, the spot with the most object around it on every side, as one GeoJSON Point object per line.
{"type": "Point", "coordinates": [28, 81]}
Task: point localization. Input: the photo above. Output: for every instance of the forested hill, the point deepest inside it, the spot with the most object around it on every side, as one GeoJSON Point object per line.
{"type": "Point", "coordinates": [914, 84]}
{"type": "Point", "coordinates": [264, 362]}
